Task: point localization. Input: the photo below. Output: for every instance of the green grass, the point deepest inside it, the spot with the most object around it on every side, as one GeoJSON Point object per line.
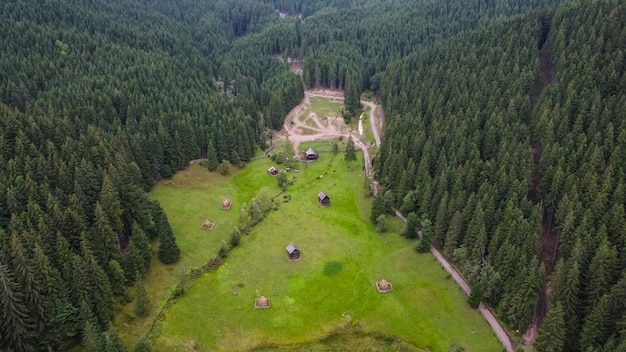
{"type": "Point", "coordinates": [347, 341]}
{"type": "Point", "coordinates": [188, 198]}
{"type": "Point", "coordinates": [368, 135]}
{"type": "Point", "coordinates": [324, 107]}
{"type": "Point", "coordinates": [331, 286]}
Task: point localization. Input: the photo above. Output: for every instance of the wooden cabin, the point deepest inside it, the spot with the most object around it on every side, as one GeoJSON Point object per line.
{"type": "Point", "coordinates": [310, 154]}
{"type": "Point", "coordinates": [293, 253]}
{"type": "Point", "coordinates": [323, 199]}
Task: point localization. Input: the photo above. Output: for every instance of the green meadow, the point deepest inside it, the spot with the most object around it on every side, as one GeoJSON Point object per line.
{"type": "Point", "coordinates": [326, 301]}
{"type": "Point", "coordinates": [325, 107]}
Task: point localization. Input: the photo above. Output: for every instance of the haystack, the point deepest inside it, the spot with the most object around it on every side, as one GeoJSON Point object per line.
{"type": "Point", "coordinates": [261, 303]}
{"type": "Point", "coordinates": [383, 286]}
{"type": "Point", "coordinates": [207, 225]}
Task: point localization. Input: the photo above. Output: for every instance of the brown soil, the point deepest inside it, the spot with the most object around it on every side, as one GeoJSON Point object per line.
{"type": "Point", "coordinates": [549, 241]}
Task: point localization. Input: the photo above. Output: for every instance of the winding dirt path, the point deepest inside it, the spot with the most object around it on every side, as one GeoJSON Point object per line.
{"type": "Point", "coordinates": [373, 123]}
{"type": "Point", "coordinates": [294, 124]}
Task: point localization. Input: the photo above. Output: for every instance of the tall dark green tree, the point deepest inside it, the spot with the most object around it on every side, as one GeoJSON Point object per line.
{"type": "Point", "coordinates": [212, 159]}
{"type": "Point", "coordinates": [350, 153]}
{"type": "Point", "coordinates": [551, 337]}
{"type": "Point", "coordinates": [142, 301]}
{"type": "Point", "coordinates": [352, 94]}
{"type": "Point", "coordinates": [15, 323]}
{"type": "Point", "coordinates": [411, 226]}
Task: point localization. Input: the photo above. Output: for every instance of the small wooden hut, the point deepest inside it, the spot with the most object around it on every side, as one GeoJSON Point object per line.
{"type": "Point", "coordinates": [293, 253]}
{"type": "Point", "coordinates": [323, 199]}
{"type": "Point", "coordinates": [310, 154]}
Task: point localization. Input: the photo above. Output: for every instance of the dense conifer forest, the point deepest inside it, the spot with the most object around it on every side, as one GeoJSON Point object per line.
{"type": "Point", "coordinates": [503, 143]}
{"type": "Point", "coordinates": [513, 165]}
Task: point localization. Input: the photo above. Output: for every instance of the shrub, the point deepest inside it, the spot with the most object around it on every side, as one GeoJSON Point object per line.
{"type": "Point", "coordinates": [223, 252]}
{"type": "Point", "coordinates": [235, 237]}
{"type": "Point", "coordinates": [224, 168]}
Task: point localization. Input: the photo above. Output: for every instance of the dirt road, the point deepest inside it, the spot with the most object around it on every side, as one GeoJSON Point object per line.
{"type": "Point", "coordinates": [372, 107]}
{"type": "Point", "coordinates": [498, 329]}
{"type": "Point", "coordinates": [295, 123]}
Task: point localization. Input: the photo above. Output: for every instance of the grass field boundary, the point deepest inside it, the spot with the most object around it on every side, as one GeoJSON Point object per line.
{"type": "Point", "coordinates": [498, 328]}
{"type": "Point", "coordinates": [176, 291]}
{"type": "Point", "coordinates": [192, 274]}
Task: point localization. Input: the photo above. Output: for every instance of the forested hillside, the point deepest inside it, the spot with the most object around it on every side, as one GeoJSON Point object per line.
{"type": "Point", "coordinates": [337, 38]}
{"type": "Point", "coordinates": [98, 100]}
{"type": "Point", "coordinates": [498, 138]}
{"type": "Point", "coordinates": [506, 146]}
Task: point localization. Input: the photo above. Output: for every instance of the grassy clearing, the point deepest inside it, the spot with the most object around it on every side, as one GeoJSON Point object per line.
{"type": "Point", "coordinates": [188, 198]}
{"type": "Point", "coordinates": [317, 145]}
{"type": "Point", "coordinates": [324, 107]}
{"type": "Point", "coordinates": [332, 287]}
{"type": "Point", "coordinates": [347, 342]}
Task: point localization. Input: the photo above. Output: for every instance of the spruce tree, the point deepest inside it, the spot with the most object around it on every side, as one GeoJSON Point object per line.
{"type": "Point", "coordinates": [142, 301]}
{"type": "Point", "coordinates": [169, 252]}
{"type": "Point", "coordinates": [15, 324]}
{"type": "Point", "coordinates": [143, 345]}
{"type": "Point", "coordinates": [351, 95]}
{"type": "Point", "coordinates": [110, 202]}
{"type": "Point", "coordinates": [350, 153]}
{"type": "Point", "coordinates": [112, 341]}
{"type": "Point", "coordinates": [378, 208]}
{"type": "Point", "coordinates": [551, 337]}
{"type": "Point", "coordinates": [212, 159]}
{"type": "Point", "coordinates": [411, 226]}
{"type": "Point", "coordinates": [243, 221]}
{"type": "Point", "coordinates": [235, 237]}
{"type": "Point", "coordinates": [381, 223]}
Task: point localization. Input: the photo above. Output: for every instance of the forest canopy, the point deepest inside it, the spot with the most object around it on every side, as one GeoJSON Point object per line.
{"type": "Point", "coordinates": [503, 137]}
{"type": "Point", "coordinates": [509, 141]}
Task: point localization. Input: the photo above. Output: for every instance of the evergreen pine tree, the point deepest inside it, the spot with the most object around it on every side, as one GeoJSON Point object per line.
{"type": "Point", "coordinates": [109, 200]}
{"type": "Point", "coordinates": [142, 301]}
{"type": "Point", "coordinates": [551, 337]}
{"type": "Point", "coordinates": [350, 153]}
{"type": "Point", "coordinates": [27, 279]}
{"type": "Point", "coordinates": [235, 237]}
{"type": "Point", "coordinates": [381, 223]}
{"type": "Point", "coordinates": [143, 345]}
{"type": "Point", "coordinates": [92, 339]}
{"type": "Point", "coordinates": [243, 221]}
{"type": "Point", "coordinates": [112, 342]}
{"type": "Point", "coordinates": [15, 324]}
{"type": "Point", "coordinates": [411, 226]}
{"type": "Point", "coordinates": [169, 252]}
{"type": "Point", "coordinates": [378, 208]}
{"type": "Point", "coordinates": [351, 95]}
{"type": "Point", "coordinates": [596, 327]}
{"type": "Point", "coordinates": [425, 242]}
{"type": "Point", "coordinates": [212, 159]}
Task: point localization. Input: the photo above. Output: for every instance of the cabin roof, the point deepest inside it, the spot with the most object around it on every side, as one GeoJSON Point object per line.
{"type": "Point", "coordinates": [292, 248]}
